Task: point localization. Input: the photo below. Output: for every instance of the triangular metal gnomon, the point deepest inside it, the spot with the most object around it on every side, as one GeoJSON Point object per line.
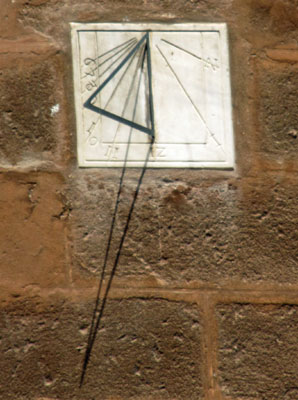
{"type": "Point", "coordinates": [89, 104]}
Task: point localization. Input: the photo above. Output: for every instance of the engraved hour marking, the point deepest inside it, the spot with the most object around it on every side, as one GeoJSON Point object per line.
{"type": "Point", "coordinates": [160, 151]}
{"type": "Point", "coordinates": [111, 152]}
{"type": "Point", "coordinates": [93, 141]}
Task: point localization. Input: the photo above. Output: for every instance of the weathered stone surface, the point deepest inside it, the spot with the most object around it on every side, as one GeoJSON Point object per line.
{"type": "Point", "coordinates": [212, 231]}
{"type": "Point", "coordinates": [203, 236]}
{"type": "Point", "coordinates": [32, 246]}
{"type": "Point", "coordinates": [10, 25]}
{"type": "Point", "coordinates": [27, 45]}
{"type": "Point", "coordinates": [45, 17]}
{"type": "Point", "coordinates": [92, 213]}
{"type": "Point", "coordinates": [28, 122]}
{"type": "Point", "coordinates": [283, 54]}
{"type": "Point", "coordinates": [258, 351]}
{"type": "Point", "coordinates": [229, 230]}
{"type": "Point", "coordinates": [145, 349]}
{"type": "Point", "coordinates": [273, 16]}
{"type": "Point", "coordinates": [278, 112]}
{"type": "Point", "coordinates": [259, 21]}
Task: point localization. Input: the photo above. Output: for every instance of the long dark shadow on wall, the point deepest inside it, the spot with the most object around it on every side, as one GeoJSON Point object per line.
{"type": "Point", "coordinates": [99, 307]}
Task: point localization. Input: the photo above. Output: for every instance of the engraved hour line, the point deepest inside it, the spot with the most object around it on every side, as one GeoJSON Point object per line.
{"type": "Point", "coordinates": [114, 62]}
{"type": "Point", "coordinates": [191, 54]}
{"type": "Point", "coordinates": [139, 64]}
{"type": "Point", "coordinates": [118, 58]}
{"type": "Point", "coordinates": [129, 43]}
{"type": "Point", "coordinates": [189, 98]}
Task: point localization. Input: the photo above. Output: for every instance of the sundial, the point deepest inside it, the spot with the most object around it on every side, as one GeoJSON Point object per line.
{"type": "Point", "coordinates": [166, 84]}
{"type": "Point", "coordinates": [149, 95]}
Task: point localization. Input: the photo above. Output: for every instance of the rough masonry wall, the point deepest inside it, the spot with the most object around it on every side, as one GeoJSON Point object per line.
{"type": "Point", "coordinates": [204, 303]}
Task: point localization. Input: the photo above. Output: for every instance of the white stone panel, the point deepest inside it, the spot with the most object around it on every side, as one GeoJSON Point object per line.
{"type": "Point", "coordinates": [181, 69]}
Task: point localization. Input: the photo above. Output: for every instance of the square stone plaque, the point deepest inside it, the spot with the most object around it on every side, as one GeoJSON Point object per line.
{"type": "Point", "coordinates": [137, 81]}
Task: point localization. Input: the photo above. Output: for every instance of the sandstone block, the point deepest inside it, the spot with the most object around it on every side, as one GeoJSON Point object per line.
{"type": "Point", "coordinates": [278, 118]}
{"type": "Point", "coordinates": [32, 246]}
{"type": "Point", "coordinates": [258, 351]}
{"type": "Point", "coordinates": [29, 106]}
{"type": "Point", "coordinates": [182, 231]}
{"type": "Point", "coordinates": [145, 349]}
{"type": "Point", "coordinates": [283, 54]}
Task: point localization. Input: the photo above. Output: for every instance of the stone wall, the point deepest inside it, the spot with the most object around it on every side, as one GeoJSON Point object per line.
{"type": "Point", "coordinates": [204, 303]}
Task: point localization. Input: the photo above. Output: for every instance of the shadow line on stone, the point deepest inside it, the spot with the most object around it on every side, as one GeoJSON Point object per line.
{"type": "Point", "coordinates": [99, 308]}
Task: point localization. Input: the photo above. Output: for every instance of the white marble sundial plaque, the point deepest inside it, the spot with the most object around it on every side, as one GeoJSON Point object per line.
{"type": "Point", "coordinates": [134, 82]}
